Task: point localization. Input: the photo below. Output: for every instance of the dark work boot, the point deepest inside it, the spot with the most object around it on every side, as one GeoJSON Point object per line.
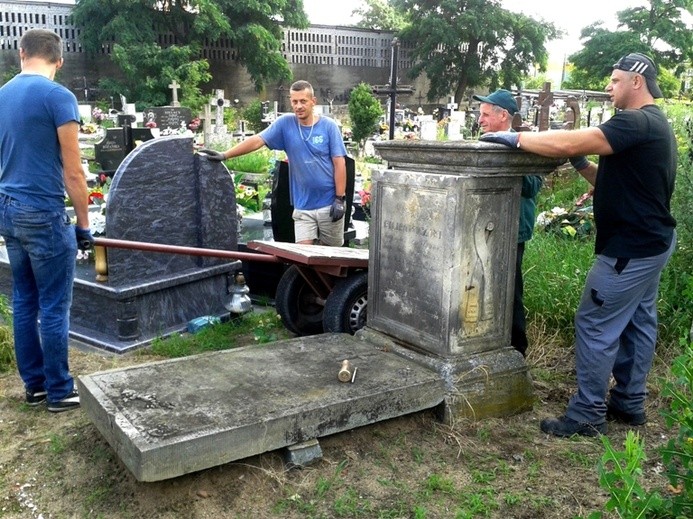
{"type": "Point", "coordinates": [634, 419]}
{"type": "Point", "coordinates": [565, 427]}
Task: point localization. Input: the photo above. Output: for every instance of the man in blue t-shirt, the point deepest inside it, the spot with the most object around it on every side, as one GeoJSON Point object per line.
{"type": "Point", "coordinates": [317, 166]}
{"type": "Point", "coordinates": [616, 322]}
{"type": "Point", "coordinates": [39, 162]}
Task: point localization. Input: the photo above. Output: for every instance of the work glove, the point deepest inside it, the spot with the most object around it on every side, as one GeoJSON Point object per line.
{"type": "Point", "coordinates": [213, 155]}
{"type": "Point", "coordinates": [84, 238]}
{"type": "Point", "coordinates": [579, 162]}
{"type": "Point", "coordinates": [511, 139]}
{"type": "Point", "coordinates": [337, 209]}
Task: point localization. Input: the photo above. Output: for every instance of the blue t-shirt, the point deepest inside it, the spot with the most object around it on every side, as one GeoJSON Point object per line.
{"type": "Point", "coordinates": [310, 150]}
{"type": "Point", "coordinates": [32, 107]}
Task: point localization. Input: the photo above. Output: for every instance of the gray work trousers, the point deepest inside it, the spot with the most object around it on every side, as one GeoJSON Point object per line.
{"type": "Point", "coordinates": [615, 334]}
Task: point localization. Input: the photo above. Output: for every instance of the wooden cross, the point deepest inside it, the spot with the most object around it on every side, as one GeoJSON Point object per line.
{"type": "Point", "coordinates": [174, 86]}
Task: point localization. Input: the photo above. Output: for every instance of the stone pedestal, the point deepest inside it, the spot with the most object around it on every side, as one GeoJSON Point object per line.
{"type": "Point", "coordinates": [441, 271]}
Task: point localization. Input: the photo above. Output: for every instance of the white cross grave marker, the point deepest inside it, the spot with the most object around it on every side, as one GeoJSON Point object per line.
{"type": "Point", "coordinates": [220, 103]}
{"type": "Point", "coordinates": [174, 86]}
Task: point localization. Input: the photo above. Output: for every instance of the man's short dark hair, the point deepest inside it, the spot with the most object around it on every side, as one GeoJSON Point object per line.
{"type": "Point", "coordinates": [301, 85]}
{"type": "Point", "coordinates": [42, 43]}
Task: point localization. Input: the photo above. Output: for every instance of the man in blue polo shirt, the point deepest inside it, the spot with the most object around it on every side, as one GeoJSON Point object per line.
{"type": "Point", "coordinates": [317, 166]}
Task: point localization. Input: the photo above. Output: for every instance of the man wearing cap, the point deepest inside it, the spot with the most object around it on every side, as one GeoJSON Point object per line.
{"type": "Point", "coordinates": [616, 322]}
{"type": "Point", "coordinates": [495, 114]}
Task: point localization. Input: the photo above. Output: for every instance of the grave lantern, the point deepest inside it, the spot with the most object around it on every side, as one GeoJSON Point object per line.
{"type": "Point", "coordinates": [238, 302]}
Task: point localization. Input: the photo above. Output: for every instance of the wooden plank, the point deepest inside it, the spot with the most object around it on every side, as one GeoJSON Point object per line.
{"type": "Point", "coordinates": [318, 255]}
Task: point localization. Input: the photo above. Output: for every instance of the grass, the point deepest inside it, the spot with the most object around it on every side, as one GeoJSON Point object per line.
{"type": "Point", "coordinates": [263, 327]}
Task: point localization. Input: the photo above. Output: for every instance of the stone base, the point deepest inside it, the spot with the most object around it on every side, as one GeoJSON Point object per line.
{"type": "Point", "coordinates": [493, 383]}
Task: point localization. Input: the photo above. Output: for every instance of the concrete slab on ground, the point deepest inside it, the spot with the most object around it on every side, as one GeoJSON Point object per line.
{"type": "Point", "coordinates": [169, 418]}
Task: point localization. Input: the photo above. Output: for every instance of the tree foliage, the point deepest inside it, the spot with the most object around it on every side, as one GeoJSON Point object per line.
{"type": "Point", "coordinates": [380, 15]}
{"type": "Point", "coordinates": [461, 44]}
{"type": "Point", "coordinates": [131, 29]}
{"type": "Point", "coordinates": [657, 30]}
{"type": "Point", "coordinates": [364, 112]}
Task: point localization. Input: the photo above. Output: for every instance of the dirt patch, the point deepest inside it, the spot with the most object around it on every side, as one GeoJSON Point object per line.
{"type": "Point", "coordinates": [59, 466]}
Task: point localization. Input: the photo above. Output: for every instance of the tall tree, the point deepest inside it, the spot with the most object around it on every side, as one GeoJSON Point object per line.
{"type": "Point", "coordinates": [364, 112]}
{"type": "Point", "coordinates": [657, 29]}
{"type": "Point", "coordinates": [131, 29]}
{"type": "Point", "coordinates": [461, 44]}
{"type": "Point", "coordinates": [380, 15]}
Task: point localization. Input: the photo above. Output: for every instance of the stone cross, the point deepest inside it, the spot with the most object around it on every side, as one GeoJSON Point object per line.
{"type": "Point", "coordinates": [174, 86]}
{"type": "Point", "coordinates": [452, 105]}
{"type": "Point", "coordinates": [220, 103]}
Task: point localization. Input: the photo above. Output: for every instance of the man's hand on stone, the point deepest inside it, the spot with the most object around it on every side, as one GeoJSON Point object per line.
{"type": "Point", "coordinates": [337, 209]}
{"type": "Point", "coordinates": [511, 139]}
{"type": "Point", "coordinates": [213, 155]}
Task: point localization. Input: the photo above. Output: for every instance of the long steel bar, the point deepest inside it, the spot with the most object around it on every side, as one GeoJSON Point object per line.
{"type": "Point", "coordinates": [179, 249]}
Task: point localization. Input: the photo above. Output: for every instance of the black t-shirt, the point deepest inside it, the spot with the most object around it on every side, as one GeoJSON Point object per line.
{"type": "Point", "coordinates": [634, 185]}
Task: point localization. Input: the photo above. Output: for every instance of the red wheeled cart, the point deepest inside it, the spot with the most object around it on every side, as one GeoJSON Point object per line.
{"type": "Point", "coordinates": [324, 290]}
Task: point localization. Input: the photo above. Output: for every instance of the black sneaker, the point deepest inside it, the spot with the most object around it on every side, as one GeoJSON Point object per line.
{"type": "Point", "coordinates": [565, 427]}
{"type": "Point", "coordinates": [634, 419]}
{"type": "Point", "coordinates": [69, 402]}
{"type": "Point", "coordinates": [34, 398]}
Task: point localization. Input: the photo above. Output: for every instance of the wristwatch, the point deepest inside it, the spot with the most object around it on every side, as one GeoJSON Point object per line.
{"type": "Point", "coordinates": [342, 198]}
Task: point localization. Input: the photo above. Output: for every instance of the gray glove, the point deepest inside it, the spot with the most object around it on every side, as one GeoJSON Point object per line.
{"type": "Point", "coordinates": [510, 139]}
{"type": "Point", "coordinates": [213, 155]}
{"type": "Point", "coordinates": [337, 209]}
{"type": "Point", "coordinates": [579, 162]}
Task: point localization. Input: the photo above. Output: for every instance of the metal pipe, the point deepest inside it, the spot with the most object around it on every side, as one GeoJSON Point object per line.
{"type": "Point", "coordinates": [179, 249]}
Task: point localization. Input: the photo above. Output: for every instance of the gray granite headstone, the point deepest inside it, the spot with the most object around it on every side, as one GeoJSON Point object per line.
{"type": "Point", "coordinates": [164, 193]}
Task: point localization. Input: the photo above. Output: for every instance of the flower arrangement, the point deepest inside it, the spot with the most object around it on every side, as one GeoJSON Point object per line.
{"type": "Point", "coordinates": [576, 223]}
{"type": "Point", "coordinates": [365, 199]}
{"type": "Point", "coordinates": [98, 115]}
{"type": "Point", "coordinates": [249, 196]}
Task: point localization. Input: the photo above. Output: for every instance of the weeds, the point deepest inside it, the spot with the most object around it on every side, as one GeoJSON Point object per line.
{"type": "Point", "coordinates": [264, 327]}
{"type": "Point", "coordinates": [7, 358]}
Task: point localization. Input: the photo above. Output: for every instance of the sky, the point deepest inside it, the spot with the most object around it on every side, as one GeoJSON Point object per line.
{"type": "Point", "coordinates": [570, 19]}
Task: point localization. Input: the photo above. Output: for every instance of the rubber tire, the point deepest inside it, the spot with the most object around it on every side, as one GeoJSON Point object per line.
{"type": "Point", "coordinates": [346, 306]}
{"type": "Point", "coordinates": [295, 303]}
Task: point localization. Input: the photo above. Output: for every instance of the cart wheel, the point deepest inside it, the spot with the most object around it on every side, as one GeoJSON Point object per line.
{"type": "Point", "coordinates": [296, 304]}
{"type": "Point", "coordinates": [345, 307]}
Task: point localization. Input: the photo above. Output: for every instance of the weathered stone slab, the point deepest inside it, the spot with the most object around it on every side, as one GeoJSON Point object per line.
{"type": "Point", "coordinates": [170, 418]}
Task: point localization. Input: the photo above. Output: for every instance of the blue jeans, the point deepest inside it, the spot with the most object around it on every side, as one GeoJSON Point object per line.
{"type": "Point", "coordinates": [615, 334]}
{"type": "Point", "coordinates": [41, 247]}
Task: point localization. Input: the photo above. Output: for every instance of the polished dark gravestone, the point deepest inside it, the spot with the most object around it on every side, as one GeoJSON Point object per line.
{"type": "Point", "coordinates": [161, 193]}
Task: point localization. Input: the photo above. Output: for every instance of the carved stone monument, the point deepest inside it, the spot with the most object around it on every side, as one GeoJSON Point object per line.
{"type": "Point", "coordinates": [445, 227]}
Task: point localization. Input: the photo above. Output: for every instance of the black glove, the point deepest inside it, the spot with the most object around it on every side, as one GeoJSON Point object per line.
{"type": "Point", "coordinates": [213, 155]}
{"type": "Point", "coordinates": [510, 139]}
{"type": "Point", "coordinates": [580, 162]}
{"type": "Point", "coordinates": [337, 209]}
{"type": "Point", "coordinates": [84, 238]}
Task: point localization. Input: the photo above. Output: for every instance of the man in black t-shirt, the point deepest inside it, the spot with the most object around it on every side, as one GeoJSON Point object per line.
{"type": "Point", "coordinates": [616, 322]}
